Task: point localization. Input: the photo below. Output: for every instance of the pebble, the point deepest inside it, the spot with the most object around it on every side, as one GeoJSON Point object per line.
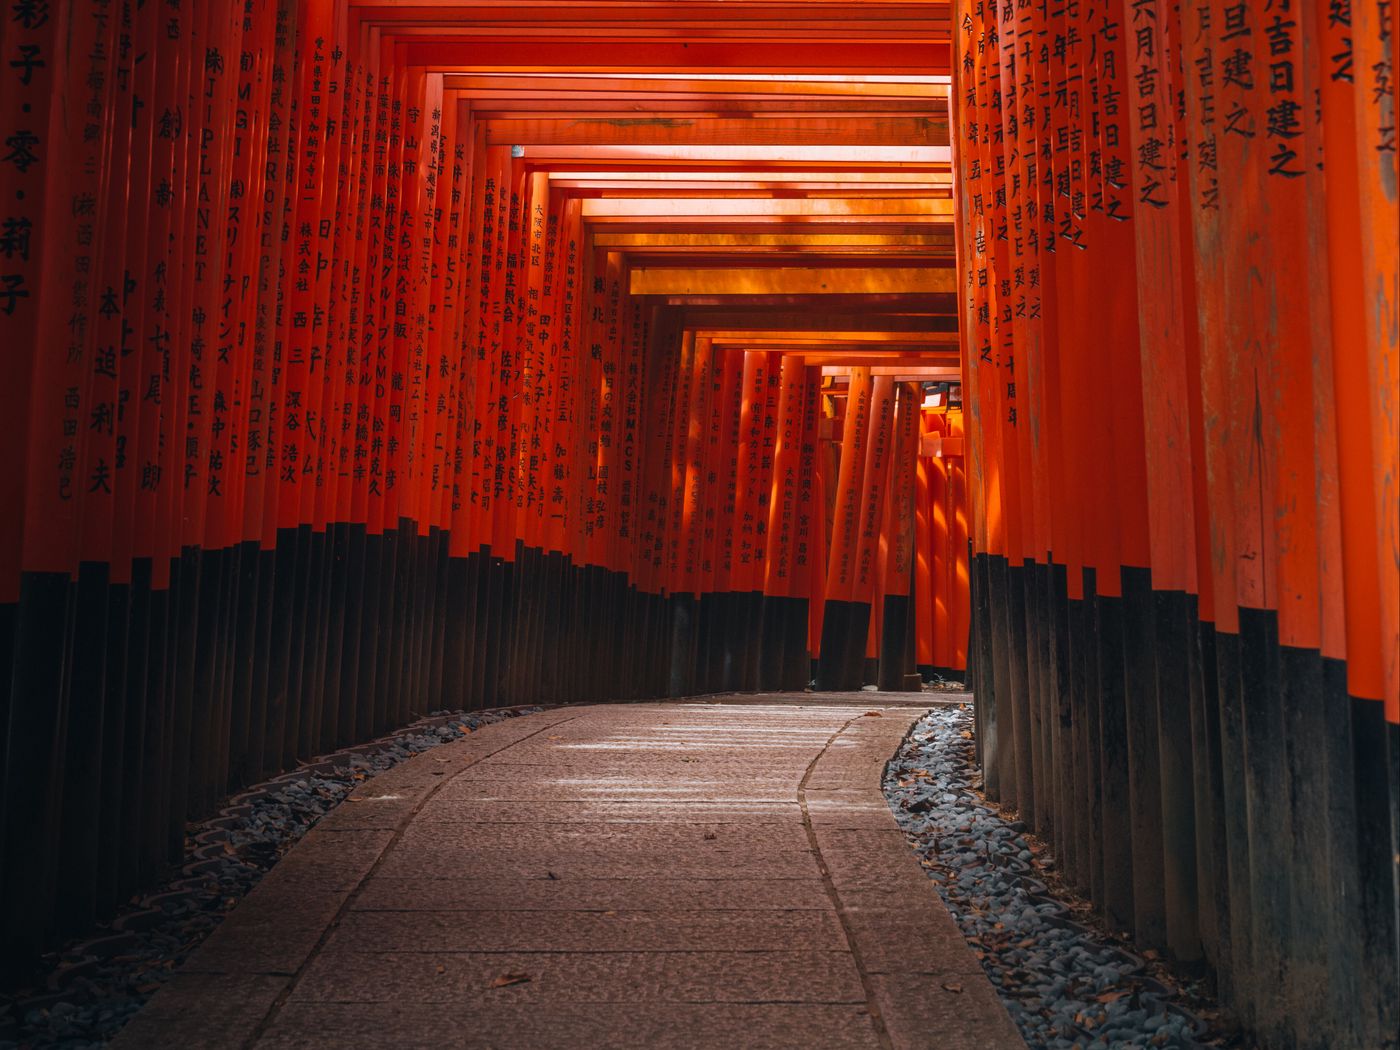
{"type": "Point", "coordinates": [1065, 988]}
{"type": "Point", "coordinates": [86, 1011]}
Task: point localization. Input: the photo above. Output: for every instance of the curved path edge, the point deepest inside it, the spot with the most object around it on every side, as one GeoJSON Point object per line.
{"type": "Point", "coordinates": [809, 915]}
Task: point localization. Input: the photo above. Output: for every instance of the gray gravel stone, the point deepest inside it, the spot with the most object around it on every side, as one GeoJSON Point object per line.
{"type": "Point", "coordinates": [1063, 987]}
{"type": "Point", "coordinates": [82, 1000]}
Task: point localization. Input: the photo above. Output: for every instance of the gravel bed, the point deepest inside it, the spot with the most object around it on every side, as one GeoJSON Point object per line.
{"type": "Point", "coordinates": [1064, 985]}
{"type": "Point", "coordinates": [93, 987]}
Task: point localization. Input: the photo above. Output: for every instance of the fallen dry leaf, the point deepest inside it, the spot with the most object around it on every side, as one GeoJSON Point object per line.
{"type": "Point", "coordinates": [505, 980]}
{"type": "Point", "coordinates": [952, 986]}
{"type": "Point", "coordinates": [873, 714]}
{"type": "Point", "coordinates": [710, 836]}
{"type": "Point", "coordinates": [965, 734]}
{"type": "Point", "coordinates": [441, 968]}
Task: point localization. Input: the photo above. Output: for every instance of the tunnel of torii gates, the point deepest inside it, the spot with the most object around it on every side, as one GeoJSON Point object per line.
{"type": "Point", "coordinates": [366, 359]}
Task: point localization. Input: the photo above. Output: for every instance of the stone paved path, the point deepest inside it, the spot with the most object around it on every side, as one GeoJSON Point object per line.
{"type": "Point", "coordinates": [718, 873]}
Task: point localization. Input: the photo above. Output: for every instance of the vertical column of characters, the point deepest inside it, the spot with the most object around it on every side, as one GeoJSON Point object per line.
{"type": "Point", "coordinates": [592, 304]}
{"type": "Point", "coordinates": [183, 404]}
{"type": "Point", "coordinates": [63, 300]}
{"type": "Point", "coordinates": [475, 218]}
{"type": "Point", "coordinates": [505, 407]}
{"type": "Point", "coordinates": [283, 255]}
{"type": "Point", "coordinates": [1335, 58]}
{"type": "Point", "coordinates": [516, 360]}
{"type": "Point", "coordinates": [456, 300]}
{"type": "Point", "coordinates": [367, 491]}
{"type": "Point", "coordinates": [1120, 257]}
{"type": "Point", "coordinates": [619, 318]}
{"type": "Point", "coordinates": [533, 339]}
{"type": "Point", "coordinates": [103, 454]}
{"type": "Point", "coordinates": [629, 464]}
{"type": "Point", "coordinates": [488, 340]}
{"type": "Point", "coordinates": [384, 261]}
{"type": "Point", "coordinates": [326, 384]}
{"type": "Point", "coordinates": [716, 511]}
{"type": "Point", "coordinates": [650, 450]}
{"type": "Point", "coordinates": [238, 296]}
{"type": "Point", "coordinates": [809, 514]}
{"type": "Point", "coordinates": [1152, 88]}
{"type": "Point", "coordinates": [1037, 297]}
{"type": "Point", "coordinates": [138, 356]}
{"type": "Point", "coordinates": [563, 432]}
{"type": "Point", "coordinates": [211, 360]}
{"type": "Point", "coordinates": [783, 489]}
{"type": "Point", "coordinates": [679, 438]}
{"type": "Point", "coordinates": [257, 460]}
{"type": "Point", "coordinates": [746, 572]}
{"type": "Point", "coordinates": [968, 234]}
{"type": "Point", "coordinates": [1058, 347]}
{"type": "Point", "coordinates": [34, 74]}
{"type": "Point", "coordinates": [730, 420]}
{"type": "Point", "coordinates": [875, 482]}
{"type": "Point", "coordinates": [591, 320]}
{"type": "Point", "coordinates": [1079, 184]}
{"type": "Point", "coordinates": [767, 460]}
{"type": "Point", "coordinates": [1205, 126]}
{"type": "Point", "coordinates": [1008, 328]}
{"type": "Point", "coordinates": [524, 371]}
{"type": "Point", "coordinates": [384, 427]}
{"type": "Point", "coordinates": [696, 465]}
{"type": "Point", "coordinates": [1296, 249]}
{"type": "Point", "coordinates": [400, 201]}
{"type": "Point", "coordinates": [1375, 36]}
{"type": "Point", "coordinates": [989, 359]}
{"type": "Point", "coordinates": [1036, 145]}
{"type": "Point", "coordinates": [1020, 281]}
{"type": "Point", "coordinates": [173, 57]}
{"type": "Point", "coordinates": [545, 451]}
{"type": "Point", "coordinates": [442, 357]}
{"type": "Point", "coordinates": [609, 394]}
{"type": "Point", "coordinates": [1186, 158]}
{"type": "Point", "coordinates": [1249, 397]}
{"type": "Point", "coordinates": [343, 308]}
{"type": "Point", "coordinates": [661, 380]}
{"type": "Point", "coordinates": [423, 378]}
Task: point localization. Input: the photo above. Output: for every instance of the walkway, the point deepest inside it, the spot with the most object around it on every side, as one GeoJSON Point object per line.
{"type": "Point", "coordinates": [711, 873]}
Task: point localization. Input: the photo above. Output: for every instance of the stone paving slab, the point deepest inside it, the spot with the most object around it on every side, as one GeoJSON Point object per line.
{"type": "Point", "coordinates": [612, 837]}
{"type": "Point", "coordinates": [582, 977]}
{"type": "Point", "coordinates": [392, 1026]}
{"type": "Point", "coordinates": [447, 862]}
{"type": "Point", "coordinates": [574, 847]}
{"type": "Point", "coordinates": [385, 893]}
{"type": "Point", "coordinates": [750, 814]}
{"type": "Point", "coordinates": [622, 931]}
